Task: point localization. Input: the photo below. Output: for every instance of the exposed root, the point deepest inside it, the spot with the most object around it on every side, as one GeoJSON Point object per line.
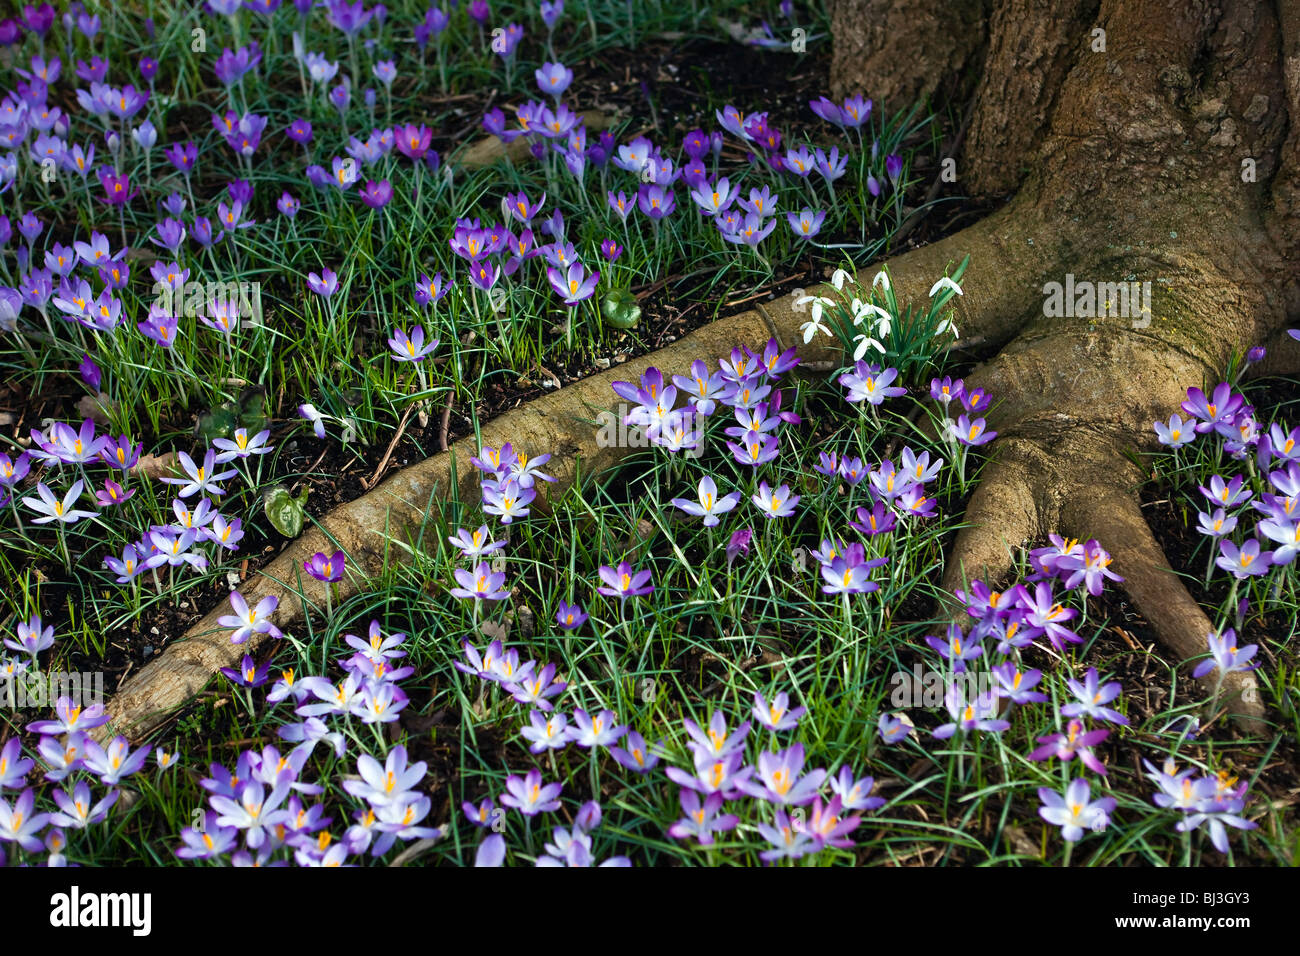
{"type": "Point", "coordinates": [1114, 519]}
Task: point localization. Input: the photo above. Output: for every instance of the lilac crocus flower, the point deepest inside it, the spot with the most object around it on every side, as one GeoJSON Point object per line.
{"type": "Point", "coordinates": [710, 505]}
{"type": "Point", "coordinates": [52, 508]}
{"type": "Point", "coordinates": [248, 621]}
{"type": "Point", "coordinates": [529, 795]}
{"type": "Point", "coordinates": [475, 544]}
{"type": "Point", "coordinates": [570, 616]}
{"type": "Point", "coordinates": [32, 637]}
{"type": "Point", "coordinates": [482, 583]}
{"type": "Point", "coordinates": [855, 794]}
{"type": "Point", "coordinates": [575, 286]}
{"type": "Point", "coordinates": [1090, 570]}
{"type": "Point", "coordinates": [1075, 742]}
{"type": "Point", "coordinates": [1174, 434]}
{"type": "Point", "coordinates": [1248, 561]}
{"type": "Point", "coordinates": [702, 819]}
{"type": "Point", "coordinates": [70, 718]}
{"type": "Point", "coordinates": [635, 755]}
{"type": "Point", "coordinates": [775, 504]}
{"type": "Point", "coordinates": [202, 479]}
{"type": "Point", "coordinates": [116, 762]}
{"type": "Point", "coordinates": [977, 714]}
{"type": "Point", "coordinates": [309, 412]}
{"type": "Point", "coordinates": [1224, 655]}
{"type": "Point", "coordinates": [595, 730]}
{"type": "Point", "coordinates": [624, 582]}
{"type": "Point", "coordinates": [954, 650]}
{"type": "Point", "coordinates": [535, 688]}
{"type": "Point", "coordinates": [325, 284]}
{"type": "Point", "coordinates": [18, 824]}
{"type": "Point", "coordinates": [412, 348]}
{"type": "Point", "coordinates": [1092, 696]}
{"type": "Point", "coordinates": [777, 715]}
{"type": "Point", "coordinates": [868, 383]}
{"type": "Point", "coordinates": [553, 79]}
{"type": "Point", "coordinates": [1016, 685]}
{"type": "Point", "coordinates": [807, 223]}
{"type": "Point", "coordinates": [1074, 811]}
{"type": "Point", "coordinates": [972, 433]}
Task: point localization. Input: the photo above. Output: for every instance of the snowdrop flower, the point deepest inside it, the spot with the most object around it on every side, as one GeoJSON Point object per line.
{"type": "Point", "coordinates": [839, 278]}
{"type": "Point", "coordinates": [815, 323]}
{"type": "Point", "coordinates": [865, 342]}
{"type": "Point", "coordinates": [861, 310]}
{"type": "Point", "coordinates": [945, 283]}
{"type": "Point", "coordinates": [882, 280]}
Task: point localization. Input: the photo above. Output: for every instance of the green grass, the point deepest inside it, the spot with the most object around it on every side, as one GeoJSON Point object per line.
{"type": "Point", "coordinates": [709, 636]}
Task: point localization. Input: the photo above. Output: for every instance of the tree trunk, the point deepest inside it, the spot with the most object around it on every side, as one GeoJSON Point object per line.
{"type": "Point", "coordinates": [1145, 140]}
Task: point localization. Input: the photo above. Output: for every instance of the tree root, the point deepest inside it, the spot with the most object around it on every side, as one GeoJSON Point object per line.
{"type": "Point", "coordinates": [373, 529]}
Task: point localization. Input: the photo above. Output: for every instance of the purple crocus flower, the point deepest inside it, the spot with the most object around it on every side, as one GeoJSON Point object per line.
{"type": "Point", "coordinates": [482, 583]}
{"type": "Point", "coordinates": [376, 195]}
{"type": "Point", "coordinates": [954, 650]}
{"type": "Point", "coordinates": [528, 794]}
{"type": "Point", "coordinates": [1248, 561]}
{"type": "Point", "coordinates": [967, 715]}
{"type": "Point", "coordinates": [248, 674]}
{"type": "Point", "coordinates": [411, 348]}
{"type": "Point", "coordinates": [1074, 811]}
{"type": "Point", "coordinates": [777, 715]}
{"type": "Point", "coordinates": [807, 223]}
{"type": "Point", "coordinates": [624, 582]}
{"type": "Point", "coordinates": [1225, 657]}
{"type": "Point", "coordinates": [413, 141]}
{"type": "Point", "coordinates": [247, 621]}
{"type": "Point", "coordinates": [325, 568]}
{"type": "Point", "coordinates": [535, 688]}
{"type": "Point", "coordinates": [18, 824]}
{"type": "Point", "coordinates": [702, 819]}
{"type": "Point", "coordinates": [553, 79]}
{"type": "Point", "coordinates": [570, 616]}
{"type": "Point", "coordinates": [1092, 696]}
{"type": "Point", "coordinates": [868, 383]}
{"type": "Point", "coordinates": [635, 755]}
{"type": "Point", "coordinates": [575, 286]}
{"type": "Point", "coordinates": [1076, 741]}
{"type": "Point", "coordinates": [325, 284]}
{"type": "Point", "coordinates": [70, 718]}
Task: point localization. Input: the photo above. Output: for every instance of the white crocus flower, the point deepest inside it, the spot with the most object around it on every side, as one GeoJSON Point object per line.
{"type": "Point", "coordinates": [945, 283]}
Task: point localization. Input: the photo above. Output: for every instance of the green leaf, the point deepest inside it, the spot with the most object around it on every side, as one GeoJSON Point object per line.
{"type": "Point", "coordinates": [286, 512]}
{"type": "Point", "coordinates": [620, 309]}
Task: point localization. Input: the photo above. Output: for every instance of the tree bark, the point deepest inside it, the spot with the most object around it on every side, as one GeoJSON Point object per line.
{"type": "Point", "coordinates": [1170, 156]}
